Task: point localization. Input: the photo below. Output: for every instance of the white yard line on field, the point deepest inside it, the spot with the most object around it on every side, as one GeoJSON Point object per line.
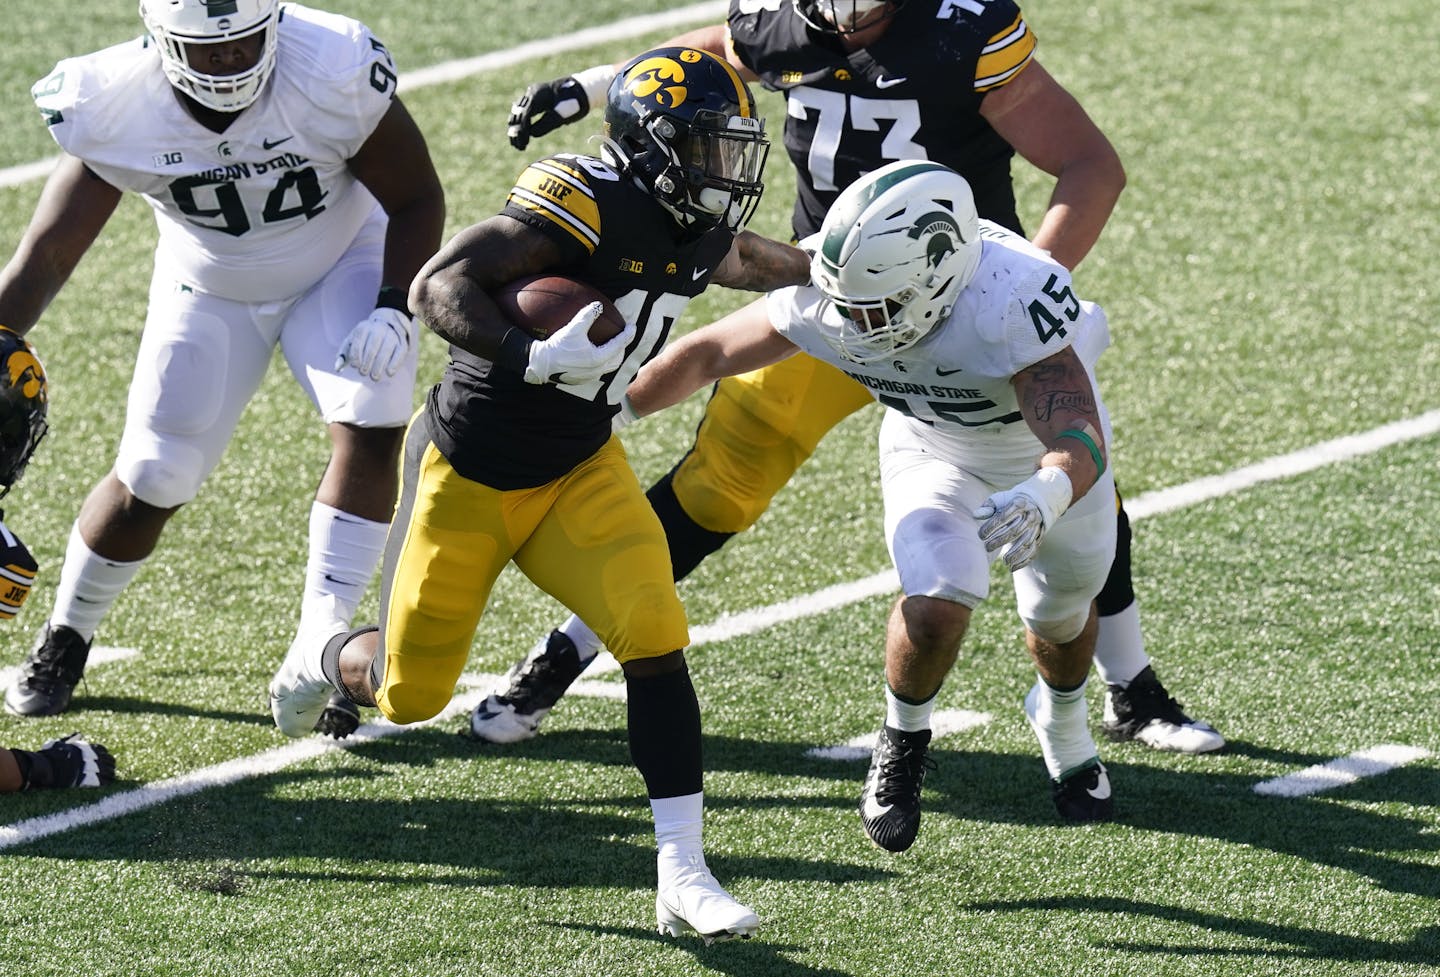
{"type": "Point", "coordinates": [943, 722]}
{"type": "Point", "coordinates": [448, 71]}
{"type": "Point", "coordinates": [736, 625]}
{"type": "Point", "coordinates": [1345, 770]}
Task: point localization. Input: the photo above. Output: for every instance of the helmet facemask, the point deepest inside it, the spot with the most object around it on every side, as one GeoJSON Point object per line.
{"type": "Point", "coordinates": [844, 16]}
{"type": "Point", "coordinates": [708, 171]}
{"type": "Point", "coordinates": [179, 25]}
{"type": "Point", "coordinates": [896, 250]}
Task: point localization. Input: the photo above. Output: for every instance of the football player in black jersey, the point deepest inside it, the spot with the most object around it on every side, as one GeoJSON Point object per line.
{"type": "Point", "coordinates": [867, 82]}
{"type": "Point", "coordinates": [24, 401]}
{"type": "Point", "coordinates": [512, 458]}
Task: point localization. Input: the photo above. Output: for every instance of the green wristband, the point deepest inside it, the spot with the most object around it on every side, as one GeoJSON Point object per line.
{"type": "Point", "coordinates": [1088, 442]}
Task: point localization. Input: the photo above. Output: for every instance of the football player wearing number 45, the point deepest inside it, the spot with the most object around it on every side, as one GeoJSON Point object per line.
{"type": "Point", "coordinates": [893, 302]}
{"type": "Point", "coordinates": [512, 458]}
{"type": "Point", "coordinates": [295, 200]}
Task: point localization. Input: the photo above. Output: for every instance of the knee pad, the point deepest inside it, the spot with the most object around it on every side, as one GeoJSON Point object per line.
{"type": "Point", "coordinates": [1061, 631]}
{"type": "Point", "coordinates": [170, 476]}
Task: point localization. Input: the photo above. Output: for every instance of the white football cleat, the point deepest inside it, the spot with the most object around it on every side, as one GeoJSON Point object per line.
{"type": "Point", "coordinates": [1146, 713]}
{"type": "Point", "coordinates": [695, 902]}
{"type": "Point", "coordinates": [299, 691]}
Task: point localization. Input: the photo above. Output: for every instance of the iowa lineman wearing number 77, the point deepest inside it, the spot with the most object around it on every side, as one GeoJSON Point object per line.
{"type": "Point", "coordinates": [993, 446]}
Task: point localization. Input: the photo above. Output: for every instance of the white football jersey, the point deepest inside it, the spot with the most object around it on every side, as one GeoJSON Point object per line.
{"type": "Point", "coordinates": [953, 387]}
{"type": "Point", "coordinates": [260, 211]}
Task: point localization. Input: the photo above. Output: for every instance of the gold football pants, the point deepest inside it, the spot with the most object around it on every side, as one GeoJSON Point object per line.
{"type": "Point", "coordinates": [758, 429]}
{"type": "Point", "coordinates": [589, 539]}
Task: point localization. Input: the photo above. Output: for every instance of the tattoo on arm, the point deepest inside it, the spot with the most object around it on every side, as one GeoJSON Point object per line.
{"type": "Point", "coordinates": [758, 264]}
{"type": "Point", "coordinates": [1057, 388]}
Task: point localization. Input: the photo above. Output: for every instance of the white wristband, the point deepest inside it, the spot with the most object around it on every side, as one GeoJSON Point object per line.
{"type": "Point", "coordinates": [596, 82]}
{"type": "Point", "coordinates": [1050, 487]}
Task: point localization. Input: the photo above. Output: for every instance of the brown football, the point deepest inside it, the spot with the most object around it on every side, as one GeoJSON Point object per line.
{"type": "Point", "coordinates": [541, 304]}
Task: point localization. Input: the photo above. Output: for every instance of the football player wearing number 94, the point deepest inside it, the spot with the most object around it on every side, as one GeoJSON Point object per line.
{"type": "Point", "coordinates": [295, 201]}
{"type": "Point", "coordinates": [513, 459]}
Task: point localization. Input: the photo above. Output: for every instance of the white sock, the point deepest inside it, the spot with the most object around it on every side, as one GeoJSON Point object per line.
{"type": "Point", "coordinates": [587, 642]}
{"type": "Point", "coordinates": [908, 717]}
{"type": "Point", "coordinates": [344, 551]}
{"type": "Point", "coordinates": [1059, 720]}
{"type": "Point", "coordinates": [89, 585]}
{"type": "Point", "coordinates": [678, 824]}
{"type": "Point", "coordinates": [1120, 647]}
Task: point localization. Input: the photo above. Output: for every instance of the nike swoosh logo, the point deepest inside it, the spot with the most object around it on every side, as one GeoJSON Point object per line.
{"type": "Point", "coordinates": [1101, 790]}
{"type": "Point", "coordinates": [939, 372]}
{"type": "Point", "coordinates": [883, 82]}
{"type": "Point", "coordinates": [697, 273]}
{"type": "Point", "coordinates": [267, 144]}
{"type": "Point", "coordinates": [874, 809]}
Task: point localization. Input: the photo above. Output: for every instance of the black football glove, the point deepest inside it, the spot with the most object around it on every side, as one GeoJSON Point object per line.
{"type": "Point", "coordinates": [70, 762]}
{"type": "Point", "coordinates": [544, 108]}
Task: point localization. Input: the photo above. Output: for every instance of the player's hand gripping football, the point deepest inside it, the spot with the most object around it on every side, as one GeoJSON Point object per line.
{"type": "Point", "coordinates": [569, 356]}
{"type": "Point", "coordinates": [1015, 520]}
{"type": "Point", "coordinates": [377, 346]}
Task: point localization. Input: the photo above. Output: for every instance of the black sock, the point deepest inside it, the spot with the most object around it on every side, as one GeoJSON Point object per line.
{"type": "Point", "coordinates": [664, 718]}
{"type": "Point", "coordinates": [689, 542]}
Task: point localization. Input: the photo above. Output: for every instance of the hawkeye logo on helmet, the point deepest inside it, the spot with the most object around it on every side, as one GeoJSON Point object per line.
{"type": "Point", "coordinates": [660, 80]}
{"type": "Point", "coordinates": [26, 374]}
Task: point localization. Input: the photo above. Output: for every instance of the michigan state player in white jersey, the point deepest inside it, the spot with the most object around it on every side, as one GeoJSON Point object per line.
{"type": "Point", "coordinates": [295, 200]}
{"type": "Point", "coordinates": [866, 82]}
{"type": "Point", "coordinates": [993, 446]}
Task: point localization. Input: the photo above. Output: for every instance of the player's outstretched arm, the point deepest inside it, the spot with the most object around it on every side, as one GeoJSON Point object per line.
{"type": "Point", "coordinates": [758, 264]}
{"type": "Point", "coordinates": [742, 341]}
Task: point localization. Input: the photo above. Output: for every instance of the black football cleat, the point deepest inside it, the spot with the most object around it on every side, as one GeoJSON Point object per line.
{"type": "Point", "coordinates": [1083, 794]}
{"type": "Point", "coordinates": [890, 799]}
{"type": "Point", "coordinates": [49, 673]}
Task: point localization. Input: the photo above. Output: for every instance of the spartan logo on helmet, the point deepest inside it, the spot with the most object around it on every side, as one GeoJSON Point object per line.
{"type": "Point", "coordinates": [939, 233]}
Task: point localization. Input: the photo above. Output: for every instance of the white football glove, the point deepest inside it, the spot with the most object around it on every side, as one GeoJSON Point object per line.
{"type": "Point", "coordinates": [1015, 520]}
{"type": "Point", "coordinates": [377, 346]}
{"type": "Point", "coordinates": [569, 356]}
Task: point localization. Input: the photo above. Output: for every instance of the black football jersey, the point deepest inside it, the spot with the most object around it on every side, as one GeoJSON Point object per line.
{"type": "Point", "coordinates": [490, 424]}
{"type": "Point", "coordinates": [914, 94]}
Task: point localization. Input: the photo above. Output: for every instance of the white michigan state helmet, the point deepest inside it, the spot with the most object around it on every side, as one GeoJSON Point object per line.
{"type": "Point", "coordinates": [174, 24]}
{"type": "Point", "coordinates": [896, 248]}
